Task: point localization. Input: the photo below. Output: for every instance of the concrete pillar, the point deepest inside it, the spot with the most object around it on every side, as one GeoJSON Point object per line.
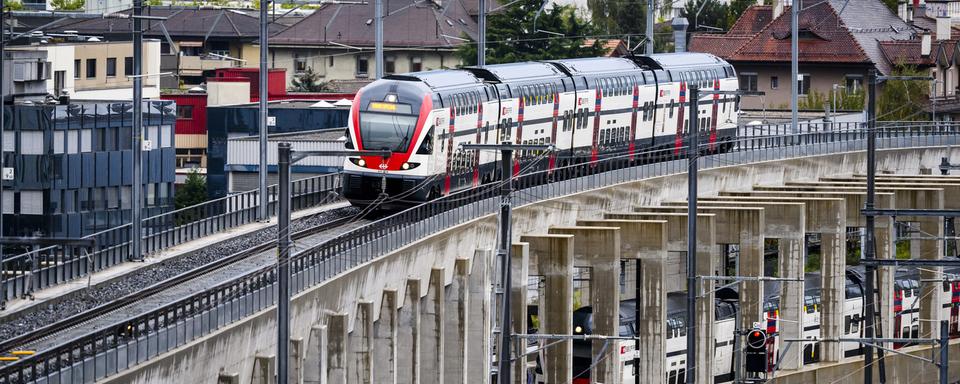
{"type": "Point", "coordinates": [706, 258]}
{"type": "Point", "coordinates": [264, 369]}
{"type": "Point", "coordinates": [408, 335]}
{"type": "Point", "coordinates": [931, 248]}
{"type": "Point", "coordinates": [337, 349]}
{"type": "Point", "coordinates": [296, 360]}
{"type": "Point", "coordinates": [646, 242]}
{"type": "Point", "coordinates": [315, 361]}
{"type": "Point", "coordinates": [431, 330]}
{"type": "Point", "coordinates": [228, 378]}
{"type": "Point", "coordinates": [598, 248]}
{"type": "Point", "coordinates": [385, 340]}
{"type": "Point", "coordinates": [457, 313]}
{"type": "Point", "coordinates": [360, 366]}
{"type": "Point", "coordinates": [520, 270]}
{"type": "Point", "coordinates": [554, 258]}
{"type": "Point", "coordinates": [884, 235]}
{"type": "Point", "coordinates": [478, 328]}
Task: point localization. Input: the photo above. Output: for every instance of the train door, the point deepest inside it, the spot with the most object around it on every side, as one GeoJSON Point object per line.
{"type": "Point", "coordinates": [580, 135]}
{"type": "Point", "coordinates": [897, 308]}
{"type": "Point", "coordinates": [954, 308]}
{"type": "Point", "coordinates": [487, 133]}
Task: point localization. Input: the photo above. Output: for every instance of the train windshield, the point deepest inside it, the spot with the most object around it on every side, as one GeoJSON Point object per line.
{"type": "Point", "coordinates": [385, 131]}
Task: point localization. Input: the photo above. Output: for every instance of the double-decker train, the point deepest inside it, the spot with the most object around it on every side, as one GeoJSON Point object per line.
{"type": "Point", "coordinates": [587, 109]}
{"type": "Point", "coordinates": [906, 307]}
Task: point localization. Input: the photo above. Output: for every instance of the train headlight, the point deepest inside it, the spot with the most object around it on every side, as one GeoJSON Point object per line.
{"type": "Point", "coordinates": [362, 163]}
{"type": "Point", "coordinates": [578, 329]}
{"type": "Point", "coordinates": [409, 166]}
{"type": "Point", "coordinates": [405, 166]}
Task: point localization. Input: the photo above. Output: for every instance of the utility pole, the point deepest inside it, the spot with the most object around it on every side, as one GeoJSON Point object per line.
{"type": "Point", "coordinates": [794, 67]}
{"type": "Point", "coordinates": [3, 112]}
{"type": "Point", "coordinates": [136, 197]}
{"type": "Point", "coordinates": [870, 254]}
{"type": "Point", "coordinates": [264, 211]}
{"type": "Point", "coordinates": [944, 351]}
{"type": "Point", "coordinates": [378, 27]}
{"type": "Point", "coordinates": [482, 34]}
{"type": "Point", "coordinates": [285, 157]}
{"type": "Point", "coordinates": [693, 152]}
{"type": "Point", "coordinates": [504, 358]}
{"type": "Point", "coordinates": [650, 22]}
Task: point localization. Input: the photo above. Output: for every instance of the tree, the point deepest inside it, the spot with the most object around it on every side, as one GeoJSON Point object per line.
{"type": "Point", "coordinates": [192, 192]}
{"type": "Point", "coordinates": [892, 4]}
{"type": "Point", "coordinates": [14, 6]}
{"type": "Point", "coordinates": [713, 14]}
{"type": "Point", "coordinates": [736, 9]}
{"type": "Point", "coordinates": [900, 100]}
{"type": "Point", "coordinates": [67, 5]}
{"type": "Point", "coordinates": [619, 17]}
{"type": "Point", "coordinates": [309, 81]}
{"type": "Point", "coordinates": [512, 35]}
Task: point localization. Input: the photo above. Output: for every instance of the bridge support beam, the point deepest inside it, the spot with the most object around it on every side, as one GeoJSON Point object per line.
{"type": "Point", "coordinates": [706, 264]}
{"type": "Point", "coordinates": [315, 359]}
{"type": "Point", "coordinates": [431, 330]}
{"type": "Point", "coordinates": [385, 337]}
{"type": "Point", "coordinates": [478, 328]}
{"type": "Point", "coordinates": [297, 351]}
{"type": "Point", "coordinates": [598, 248]}
{"type": "Point", "coordinates": [457, 316]}
{"type": "Point", "coordinates": [553, 257]}
{"type": "Point", "coordinates": [360, 366]}
{"type": "Point", "coordinates": [785, 222]}
{"type": "Point", "coordinates": [337, 352]}
{"type": "Point", "coordinates": [408, 335]}
{"type": "Point", "coordinates": [264, 368]}
{"type": "Point", "coordinates": [646, 242]}
{"type": "Point", "coordinates": [520, 269]}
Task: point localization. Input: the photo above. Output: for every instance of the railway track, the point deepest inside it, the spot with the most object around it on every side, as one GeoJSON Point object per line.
{"type": "Point", "coordinates": [169, 290]}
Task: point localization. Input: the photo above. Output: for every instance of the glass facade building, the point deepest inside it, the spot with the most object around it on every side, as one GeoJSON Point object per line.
{"type": "Point", "coordinates": [74, 168]}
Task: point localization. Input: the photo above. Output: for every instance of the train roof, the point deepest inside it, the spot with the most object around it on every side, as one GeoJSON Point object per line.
{"type": "Point", "coordinates": [439, 79]}
{"type": "Point", "coordinates": [595, 65]}
{"type": "Point", "coordinates": [529, 70]}
{"type": "Point", "coordinates": [682, 60]}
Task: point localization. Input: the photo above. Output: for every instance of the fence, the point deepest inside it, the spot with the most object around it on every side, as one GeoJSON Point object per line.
{"type": "Point", "coordinates": [55, 265]}
{"type": "Point", "coordinates": [107, 351]}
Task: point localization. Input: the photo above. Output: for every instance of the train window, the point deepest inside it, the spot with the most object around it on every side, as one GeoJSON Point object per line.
{"type": "Point", "coordinates": [671, 108]}
{"type": "Point", "coordinates": [682, 377]}
{"type": "Point", "coordinates": [946, 286]}
{"type": "Point", "coordinates": [672, 378]}
{"type": "Point", "coordinates": [906, 332]}
{"type": "Point", "coordinates": [915, 332]}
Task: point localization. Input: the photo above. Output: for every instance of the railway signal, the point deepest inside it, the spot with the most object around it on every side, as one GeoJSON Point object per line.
{"type": "Point", "coordinates": [756, 352]}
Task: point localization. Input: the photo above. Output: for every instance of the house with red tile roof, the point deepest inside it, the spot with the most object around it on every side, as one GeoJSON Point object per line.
{"type": "Point", "coordinates": [839, 42]}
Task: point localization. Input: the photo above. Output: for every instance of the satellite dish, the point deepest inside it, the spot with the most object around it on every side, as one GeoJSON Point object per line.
{"type": "Point", "coordinates": [343, 103]}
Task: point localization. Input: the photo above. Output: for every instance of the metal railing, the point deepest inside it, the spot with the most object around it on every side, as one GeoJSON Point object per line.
{"type": "Point", "coordinates": [50, 266]}
{"type": "Point", "coordinates": [109, 350]}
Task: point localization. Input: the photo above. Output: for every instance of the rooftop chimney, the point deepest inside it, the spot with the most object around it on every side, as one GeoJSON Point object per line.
{"type": "Point", "coordinates": [943, 28]}
{"type": "Point", "coordinates": [777, 8]}
{"type": "Point", "coordinates": [925, 44]}
{"type": "Point", "coordinates": [680, 34]}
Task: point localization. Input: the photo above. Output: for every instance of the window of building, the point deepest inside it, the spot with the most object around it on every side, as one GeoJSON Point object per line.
{"type": "Point", "coordinates": [803, 84]}
{"type": "Point", "coordinates": [91, 68]}
{"type": "Point", "coordinates": [330, 60]}
{"type": "Point", "coordinates": [390, 64]}
{"type": "Point", "coordinates": [184, 112]}
{"type": "Point", "coordinates": [59, 82]}
{"type": "Point", "coordinates": [299, 64]}
{"type": "Point", "coordinates": [363, 65]}
{"type": "Point", "coordinates": [748, 81]}
{"type": "Point", "coordinates": [774, 82]}
{"type": "Point", "coordinates": [854, 83]}
{"type": "Point", "coordinates": [416, 64]}
{"type": "Point", "coordinates": [111, 67]}
{"type": "Point", "coordinates": [76, 69]}
{"type": "Point", "coordinates": [128, 66]}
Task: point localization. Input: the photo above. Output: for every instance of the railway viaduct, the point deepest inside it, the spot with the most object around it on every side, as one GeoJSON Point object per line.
{"type": "Point", "coordinates": [420, 313]}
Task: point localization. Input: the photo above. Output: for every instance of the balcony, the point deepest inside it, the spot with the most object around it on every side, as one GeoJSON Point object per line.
{"type": "Point", "coordinates": [193, 65]}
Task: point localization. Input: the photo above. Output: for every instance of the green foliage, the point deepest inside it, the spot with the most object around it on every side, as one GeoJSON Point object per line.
{"type": "Point", "coordinates": [13, 6]}
{"type": "Point", "coordinates": [154, 3]}
{"type": "Point", "coordinates": [67, 5]}
{"type": "Point", "coordinates": [892, 4]}
{"type": "Point", "coordinates": [619, 17]}
{"type": "Point", "coordinates": [845, 101]}
{"type": "Point", "coordinates": [813, 263]}
{"type": "Point", "coordinates": [714, 14]}
{"type": "Point", "coordinates": [903, 250]}
{"type": "Point", "coordinates": [900, 100]}
{"type": "Point", "coordinates": [736, 8]}
{"type": "Point", "coordinates": [512, 35]}
{"type": "Point", "coordinates": [192, 192]}
{"type": "Point", "coordinates": [309, 81]}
